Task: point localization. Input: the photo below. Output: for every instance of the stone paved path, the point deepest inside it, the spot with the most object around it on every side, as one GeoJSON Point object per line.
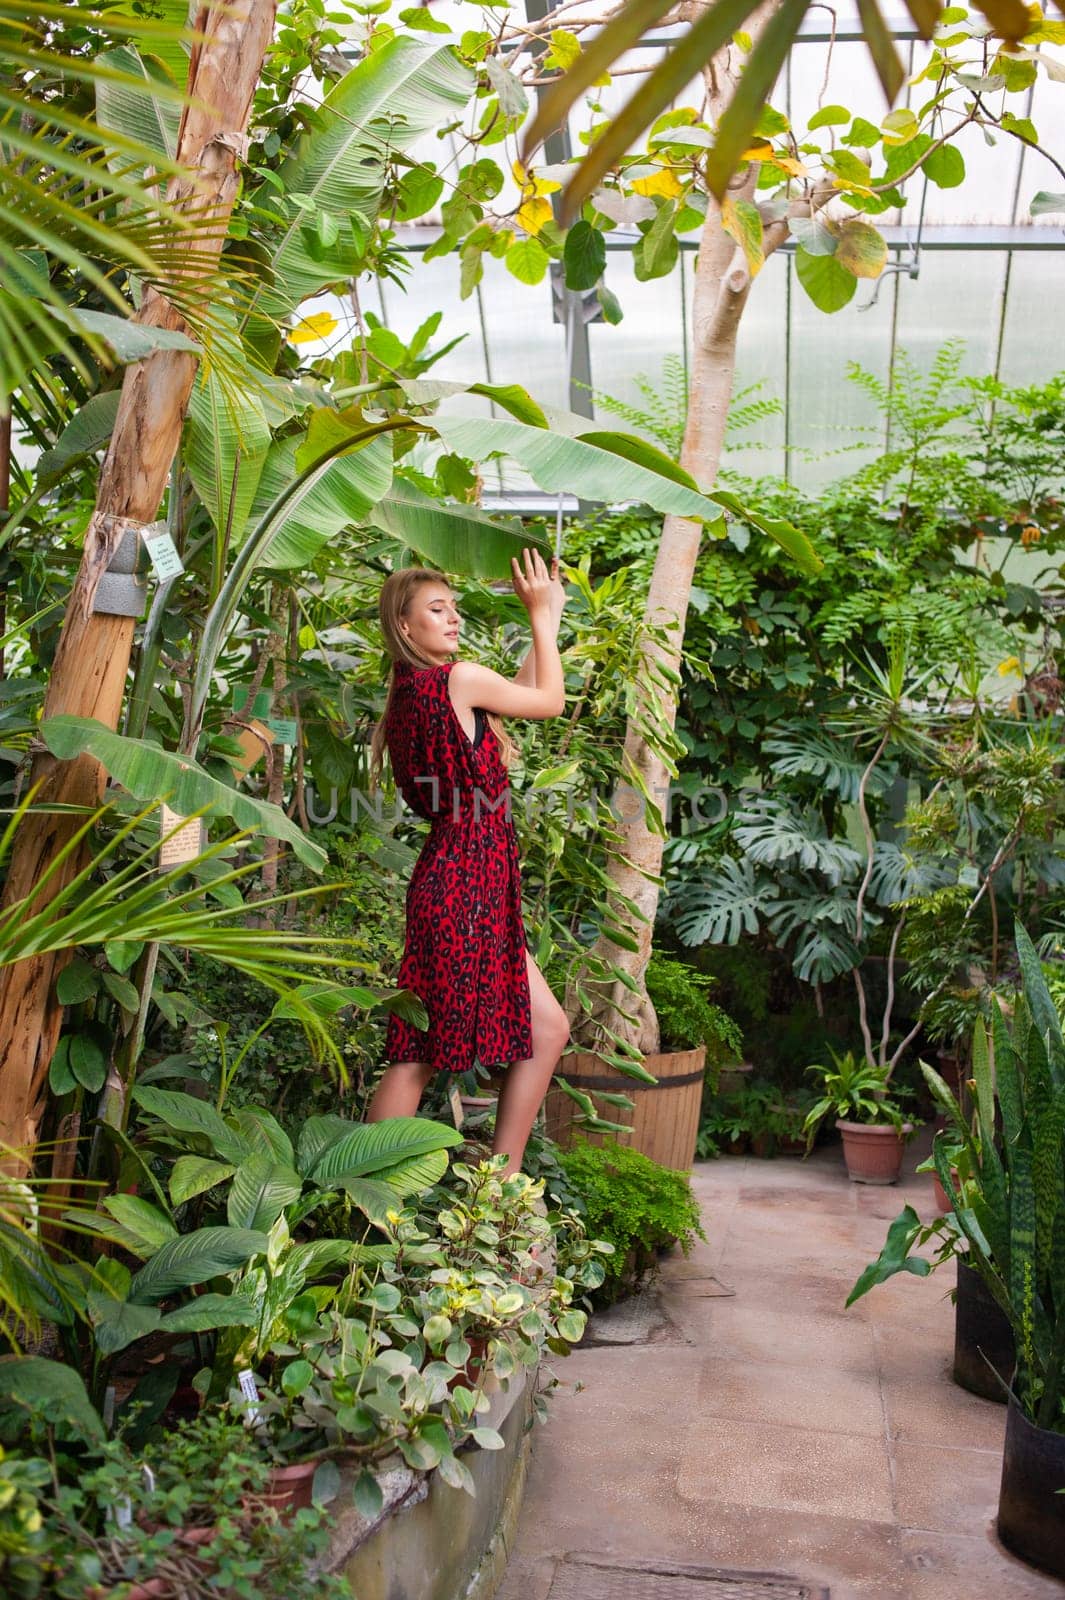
{"type": "Point", "coordinates": [773, 1430]}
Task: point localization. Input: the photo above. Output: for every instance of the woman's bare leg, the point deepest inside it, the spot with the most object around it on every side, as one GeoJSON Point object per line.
{"type": "Point", "coordinates": [527, 1082]}
{"type": "Point", "coordinates": [399, 1094]}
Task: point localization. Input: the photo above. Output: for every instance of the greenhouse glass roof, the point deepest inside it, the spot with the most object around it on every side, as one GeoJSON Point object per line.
{"type": "Point", "coordinates": [968, 263]}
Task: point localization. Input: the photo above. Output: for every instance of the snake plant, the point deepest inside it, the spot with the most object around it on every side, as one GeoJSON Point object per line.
{"type": "Point", "coordinates": [1008, 1210]}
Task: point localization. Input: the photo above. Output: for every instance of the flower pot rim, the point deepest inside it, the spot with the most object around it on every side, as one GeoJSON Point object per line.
{"type": "Point", "coordinates": [846, 1126]}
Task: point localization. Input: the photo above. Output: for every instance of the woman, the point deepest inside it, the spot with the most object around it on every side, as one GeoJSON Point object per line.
{"type": "Point", "coordinates": [466, 953]}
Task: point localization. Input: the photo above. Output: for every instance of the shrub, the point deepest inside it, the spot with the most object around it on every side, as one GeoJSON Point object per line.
{"type": "Point", "coordinates": [635, 1205]}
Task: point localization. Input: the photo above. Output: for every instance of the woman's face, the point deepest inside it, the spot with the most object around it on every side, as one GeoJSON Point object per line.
{"type": "Point", "coordinates": [432, 621]}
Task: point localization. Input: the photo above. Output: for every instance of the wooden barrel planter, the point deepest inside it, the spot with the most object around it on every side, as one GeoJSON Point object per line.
{"type": "Point", "coordinates": [665, 1121]}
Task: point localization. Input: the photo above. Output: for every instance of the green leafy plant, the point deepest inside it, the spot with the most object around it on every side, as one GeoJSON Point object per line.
{"type": "Point", "coordinates": [131, 1516]}
{"type": "Point", "coordinates": [852, 1091]}
{"type": "Point", "coordinates": [1008, 1207]}
{"type": "Point", "coordinates": [687, 1017]}
{"type": "Point", "coordinates": [634, 1204]}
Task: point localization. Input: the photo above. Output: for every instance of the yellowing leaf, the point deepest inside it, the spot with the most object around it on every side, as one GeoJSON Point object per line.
{"type": "Point", "coordinates": [862, 249]}
{"type": "Point", "coordinates": [532, 186]}
{"type": "Point", "coordinates": [789, 164]}
{"type": "Point", "coordinates": [565, 50]}
{"type": "Point", "coordinates": [319, 326]}
{"type": "Point", "coordinates": [741, 219]}
{"type": "Point", "coordinates": [663, 183]}
{"type": "Point", "coordinates": [758, 152]}
{"type": "Point", "coordinates": [533, 213]}
{"type": "Point", "coordinates": [1011, 664]}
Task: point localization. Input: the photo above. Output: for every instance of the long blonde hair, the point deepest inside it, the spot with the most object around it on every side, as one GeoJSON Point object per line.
{"type": "Point", "coordinates": [397, 591]}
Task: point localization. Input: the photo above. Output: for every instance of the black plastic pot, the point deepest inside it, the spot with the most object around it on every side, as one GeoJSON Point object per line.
{"type": "Point", "coordinates": [1031, 1511]}
{"type": "Point", "coordinates": [983, 1339]}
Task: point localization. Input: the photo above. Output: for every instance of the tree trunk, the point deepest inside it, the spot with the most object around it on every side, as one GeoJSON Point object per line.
{"type": "Point", "coordinates": [722, 285]}
{"type": "Point", "coordinates": [88, 678]}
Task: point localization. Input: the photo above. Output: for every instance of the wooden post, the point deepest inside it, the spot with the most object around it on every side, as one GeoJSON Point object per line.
{"type": "Point", "coordinates": [88, 678]}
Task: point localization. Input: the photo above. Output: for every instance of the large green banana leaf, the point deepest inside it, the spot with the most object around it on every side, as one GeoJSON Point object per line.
{"type": "Point", "coordinates": [260, 1191]}
{"type": "Point", "coordinates": [289, 533]}
{"type": "Point", "coordinates": [227, 438]}
{"type": "Point", "coordinates": [404, 90]}
{"type": "Point", "coordinates": [147, 772]}
{"type": "Point", "coordinates": [456, 538]}
{"type": "Point", "coordinates": [140, 100]}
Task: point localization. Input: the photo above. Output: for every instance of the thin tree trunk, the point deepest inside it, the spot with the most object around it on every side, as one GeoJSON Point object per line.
{"type": "Point", "coordinates": [722, 285]}
{"type": "Point", "coordinates": [88, 678]}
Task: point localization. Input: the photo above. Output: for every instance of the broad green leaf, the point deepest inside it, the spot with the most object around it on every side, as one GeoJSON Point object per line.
{"type": "Point", "coordinates": [584, 256]}
{"type": "Point", "coordinates": [400, 92]}
{"type": "Point", "coordinates": [455, 538]}
{"type": "Point", "coordinates": [376, 1147]}
{"type": "Point", "coordinates": [127, 341]}
{"type": "Point", "coordinates": [53, 1389]}
{"type": "Point", "coordinates": [90, 428]}
{"type": "Point", "coordinates": [945, 166]}
{"type": "Point", "coordinates": [895, 1256]}
{"type": "Point", "coordinates": [209, 1311]}
{"type": "Point", "coordinates": [117, 1323]}
{"type": "Point", "coordinates": [186, 1114]}
{"type": "Point", "coordinates": [194, 1258]}
{"type": "Point", "coordinates": [527, 260]}
{"type": "Point", "coordinates": [77, 982]}
{"type": "Point", "coordinates": [316, 1135]}
{"type": "Point", "coordinates": [289, 526]}
{"type": "Point", "coordinates": [260, 1127]}
{"type": "Point", "coordinates": [134, 108]}
{"type": "Point", "coordinates": [829, 285]}
{"type": "Point", "coordinates": [573, 465]}
{"type": "Point", "coordinates": [149, 772]}
{"type": "Point", "coordinates": [88, 1062]}
{"type": "Point", "coordinates": [193, 1175]}
{"type": "Point", "coordinates": [829, 117]}
{"type": "Point", "coordinates": [221, 429]}
{"type": "Point", "coordinates": [145, 1221]}
{"type": "Point", "coordinates": [260, 1191]}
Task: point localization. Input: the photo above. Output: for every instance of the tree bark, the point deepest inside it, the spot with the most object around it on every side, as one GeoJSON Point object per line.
{"type": "Point", "coordinates": [88, 678]}
{"type": "Point", "coordinates": [722, 285]}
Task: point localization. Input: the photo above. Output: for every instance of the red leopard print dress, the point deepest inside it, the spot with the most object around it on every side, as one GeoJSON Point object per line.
{"type": "Point", "coordinates": [465, 944]}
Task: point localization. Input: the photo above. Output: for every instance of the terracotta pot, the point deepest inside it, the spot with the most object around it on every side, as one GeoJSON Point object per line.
{"type": "Point", "coordinates": [940, 1195]}
{"type": "Point", "coordinates": [873, 1153]}
{"type": "Point", "coordinates": [734, 1078]}
{"type": "Point", "coordinates": [289, 1488]}
{"type": "Point", "coordinates": [984, 1350]}
{"type": "Point", "coordinates": [473, 1369]}
{"type": "Point", "coordinates": [1031, 1511]}
{"type": "Point", "coordinates": [763, 1145]}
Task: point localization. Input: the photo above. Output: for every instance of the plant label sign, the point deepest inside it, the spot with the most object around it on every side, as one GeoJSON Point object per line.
{"type": "Point", "coordinates": [183, 845]}
{"type": "Point", "coordinates": [162, 551]}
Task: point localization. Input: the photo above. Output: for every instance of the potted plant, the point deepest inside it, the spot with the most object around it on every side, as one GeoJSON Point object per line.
{"type": "Point", "coordinates": [1008, 1211]}
{"type": "Point", "coordinates": [179, 1518]}
{"type": "Point", "coordinates": [695, 1037]}
{"type": "Point", "coordinates": [854, 1092]}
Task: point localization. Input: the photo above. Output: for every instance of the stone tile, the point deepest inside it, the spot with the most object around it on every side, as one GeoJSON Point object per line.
{"type": "Point", "coordinates": [787, 1469]}
{"type": "Point", "coordinates": [527, 1578]}
{"type": "Point", "coordinates": [789, 1337]}
{"type": "Point", "coordinates": [805, 1293]}
{"type": "Point", "coordinates": [958, 1567]}
{"type": "Point", "coordinates": [817, 1397]}
{"type": "Point", "coordinates": [942, 1414]}
{"type": "Point", "coordinates": [944, 1490]}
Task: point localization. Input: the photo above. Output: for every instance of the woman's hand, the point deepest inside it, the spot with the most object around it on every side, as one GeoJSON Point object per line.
{"type": "Point", "coordinates": [540, 592]}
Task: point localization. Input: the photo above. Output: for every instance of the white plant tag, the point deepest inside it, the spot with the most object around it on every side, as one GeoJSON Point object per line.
{"type": "Point", "coordinates": [457, 1112]}
{"type": "Point", "coordinates": [248, 1389]}
{"type": "Point", "coordinates": [162, 551]}
{"type": "Point", "coordinates": [182, 846]}
{"type": "Point", "coordinates": [123, 1512]}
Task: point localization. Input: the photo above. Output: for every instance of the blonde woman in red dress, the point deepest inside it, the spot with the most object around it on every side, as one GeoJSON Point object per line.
{"type": "Point", "coordinates": [466, 953]}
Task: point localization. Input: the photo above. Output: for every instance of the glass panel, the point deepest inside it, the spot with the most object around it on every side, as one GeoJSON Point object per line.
{"type": "Point", "coordinates": [957, 296]}
{"type": "Point", "coordinates": [835, 426]}
{"type": "Point", "coordinates": [1033, 346]}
